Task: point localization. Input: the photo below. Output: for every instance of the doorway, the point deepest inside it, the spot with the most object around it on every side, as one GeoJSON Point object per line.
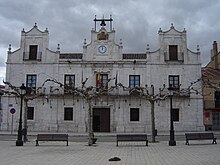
{"type": "Point", "coordinates": [216, 121]}
{"type": "Point", "coordinates": [101, 119]}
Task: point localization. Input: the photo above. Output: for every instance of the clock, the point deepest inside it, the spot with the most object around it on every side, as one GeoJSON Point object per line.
{"type": "Point", "coordinates": [102, 49]}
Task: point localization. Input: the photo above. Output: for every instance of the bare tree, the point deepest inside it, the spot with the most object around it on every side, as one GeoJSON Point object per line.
{"type": "Point", "coordinates": [90, 93]}
{"type": "Point", "coordinates": [31, 95]}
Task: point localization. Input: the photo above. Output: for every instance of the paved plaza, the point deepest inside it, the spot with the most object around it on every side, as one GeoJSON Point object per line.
{"type": "Point", "coordinates": [130, 153]}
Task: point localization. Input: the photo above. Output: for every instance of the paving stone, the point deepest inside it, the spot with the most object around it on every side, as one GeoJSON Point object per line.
{"type": "Point", "coordinates": [130, 153]}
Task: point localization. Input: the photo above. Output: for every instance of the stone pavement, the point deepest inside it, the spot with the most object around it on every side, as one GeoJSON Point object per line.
{"type": "Point", "coordinates": [130, 153]}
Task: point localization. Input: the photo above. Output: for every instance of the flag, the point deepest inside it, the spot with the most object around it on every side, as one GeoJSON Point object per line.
{"type": "Point", "coordinates": [116, 79]}
{"type": "Point", "coordinates": [98, 80]}
{"type": "Point", "coordinates": [82, 77]}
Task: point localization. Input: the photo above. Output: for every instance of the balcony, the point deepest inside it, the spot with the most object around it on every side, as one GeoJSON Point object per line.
{"type": "Point", "coordinates": [27, 57]}
{"type": "Point", "coordinates": [134, 56]}
{"type": "Point", "coordinates": [180, 57]}
{"type": "Point", "coordinates": [68, 89]}
{"type": "Point", "coordinates": [182, 92]}
{"type": "Point", "coordinates": [179, 92]}
{"type": "Point", "coordinates": [30, 90]}
{"type": "Point", "coordinates": [56, 90]}
{"type": "Point", "coordinates": [71, 56]}
{"type": "Point", "coordinates": [211, 104]}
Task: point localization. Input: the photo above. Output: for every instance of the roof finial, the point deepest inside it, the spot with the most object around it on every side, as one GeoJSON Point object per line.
{"type": "Point", "coordinates": [172, 27]}
{"type": "Point", "coordinates": [198, 48]}
{"type": "Point", "coordinates": [160, 30]}
{"type": "Point", "coordinates": [120, 41]}
{"type": "Point", "coordinates": [184, 30]}
{"type": "Point", "coordinates": [9, 48]}
{"type": "Point", "coordinates": [148, 48]}
{"type": "Point", "coordinates": [35, 25]}
{"type": "Point", "coordinates": [58, 47]}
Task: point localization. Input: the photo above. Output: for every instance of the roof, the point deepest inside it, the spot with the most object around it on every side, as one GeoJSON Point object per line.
{"type": "Point", "coordinates": [210, 73]}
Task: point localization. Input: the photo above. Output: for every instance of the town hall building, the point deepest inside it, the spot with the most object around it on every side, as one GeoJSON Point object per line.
{"type": "Point", "coordinates": [119, 88]}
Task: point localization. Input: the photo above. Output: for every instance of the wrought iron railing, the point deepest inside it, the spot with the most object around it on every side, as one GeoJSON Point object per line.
{"type": "Point", "coordinates": [180, 57]}
{"type": "Point", "coordinates": [134, 56]}
{"type": "Point", "coordinates": [28, 57]}
{"type": "Point", "coordinates": [71, 56]}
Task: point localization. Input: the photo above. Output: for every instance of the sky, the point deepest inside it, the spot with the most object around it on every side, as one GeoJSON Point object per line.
{"type": "Point", "coordinates": [136, 22]}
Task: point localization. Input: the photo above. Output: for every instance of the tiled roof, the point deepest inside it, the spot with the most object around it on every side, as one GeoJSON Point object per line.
{"type": "Point", "coordinates": [210, 73]}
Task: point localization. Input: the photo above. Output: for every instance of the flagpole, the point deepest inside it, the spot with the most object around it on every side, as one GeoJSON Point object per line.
{"type": "Point", "coordinates": [116, 79]}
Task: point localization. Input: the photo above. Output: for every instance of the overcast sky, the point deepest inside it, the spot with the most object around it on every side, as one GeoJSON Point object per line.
{"type": "Point", "coordinates": [136, 22]}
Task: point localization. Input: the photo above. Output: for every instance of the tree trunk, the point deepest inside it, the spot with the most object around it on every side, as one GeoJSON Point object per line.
{"type": "Point", "coordinates": [152, 121]}
{"type": "Point", "coordinates": [91, 134]}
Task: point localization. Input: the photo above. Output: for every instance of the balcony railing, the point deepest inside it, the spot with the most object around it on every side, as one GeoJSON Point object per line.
{"type": "Point", "coordinates": [26, 56]}
{"type": "Point", "coordinates": [134, 56]}
{"type": "Point", "coordinates": [56, 90]}
{"type": "Point", "coordinates": [182, 92]}
{"type": "Point", "coordinates": [180, 57]}
{"type": "Point", "coordinates": [211, 104]}
{"type": "Point", "coordinates": [179, 92]}
{"type": "Point", "coordinates": [71, 56]}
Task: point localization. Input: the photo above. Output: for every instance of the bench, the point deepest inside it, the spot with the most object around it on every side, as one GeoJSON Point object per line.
{"type": "Point", "coordinates": [132, 137]}
{"type": "Point", "coordinates": [200, 136]}
{"type": "Point", "coordinates": [52, 137]}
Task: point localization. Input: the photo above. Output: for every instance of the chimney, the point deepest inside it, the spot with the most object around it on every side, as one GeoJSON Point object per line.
{"type": "Point", "coordinates": [215, 54]}
{"type": "Point", "coordinates": [215, 48]}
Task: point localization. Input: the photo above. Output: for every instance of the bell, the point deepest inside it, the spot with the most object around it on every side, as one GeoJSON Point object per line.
{"type": "Point", "coordinates": [103, 23]}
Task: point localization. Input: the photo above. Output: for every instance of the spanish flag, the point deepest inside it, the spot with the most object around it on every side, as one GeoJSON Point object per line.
{"type": "Point", "coordinates": [98, 81]}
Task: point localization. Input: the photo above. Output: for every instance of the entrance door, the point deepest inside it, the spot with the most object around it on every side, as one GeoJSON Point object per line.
{"type": "Point", "coordinates": [101, 119]}
{"type": "Point", "coordinates": [216, 121]}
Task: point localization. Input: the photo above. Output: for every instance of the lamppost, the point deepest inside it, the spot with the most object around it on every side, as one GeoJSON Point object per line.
{"type": "Point", "coordinates": [19, 141]}
{"type": "Point", "coordinates": [172, 141]}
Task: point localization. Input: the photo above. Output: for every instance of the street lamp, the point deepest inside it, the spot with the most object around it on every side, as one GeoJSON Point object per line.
{"type": "Point", "coordinates": [19, 141]}
{"type": "Point", "coordinates": [172, 141]}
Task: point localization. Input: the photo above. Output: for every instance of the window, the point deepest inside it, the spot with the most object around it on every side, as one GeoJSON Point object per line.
{"type": "Point", "coordinates": [174, 81]}
{"type": "Point", "coordinates": [173, 53]}
{"type": "Point", "coordinates": [134, 80]}
{"type": "Point", "coordinates": [102, 81]}
{"type": "Point", "coordinates": [69, 80]}
{"type": "Point", "coordinates": [217, 99]}
{"type": "Point", "coordinates": [134, 114]}
{"type": "Point", "coordinates": [32, 52]}
{"type": "Point", "coordinates": [30, 113]}
{"type": "Point", "coordinates": [175, 114]}
{"type": "Point", "coordinates": [31, 81]}
{"type": "Point", "coordinates": [68, 113]}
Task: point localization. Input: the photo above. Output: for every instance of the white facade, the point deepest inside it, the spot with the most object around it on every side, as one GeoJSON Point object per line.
{"type": "Point", "coordinates": [111, 113]}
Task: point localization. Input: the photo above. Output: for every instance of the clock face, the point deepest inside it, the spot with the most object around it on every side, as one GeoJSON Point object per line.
{"type": "Point", "coordinates": [102, 49]}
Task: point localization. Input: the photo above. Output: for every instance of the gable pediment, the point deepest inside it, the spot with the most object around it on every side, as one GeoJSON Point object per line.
{"type": "Point", "coordinates": [35, 31]}
{"type": "Point", "coordinates": [172, 31]}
